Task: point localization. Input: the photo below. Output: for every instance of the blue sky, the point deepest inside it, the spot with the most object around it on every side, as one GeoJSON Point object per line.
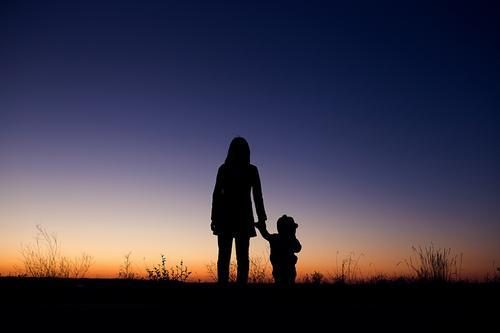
{"type": "Point", "coordinates": [355, 113]}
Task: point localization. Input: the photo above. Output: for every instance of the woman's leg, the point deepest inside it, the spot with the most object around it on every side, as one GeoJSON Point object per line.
{"type": "Point", "coordinates": [242, 247]}
{"type": "Point", "coordinates": [225, 245]}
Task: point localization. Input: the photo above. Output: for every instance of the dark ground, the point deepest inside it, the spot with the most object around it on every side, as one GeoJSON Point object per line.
{"type": "Point", "coordinates": [118, 304]}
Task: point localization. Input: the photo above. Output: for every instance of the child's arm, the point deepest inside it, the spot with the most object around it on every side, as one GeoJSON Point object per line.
{"type": "Point", "coordinates": [261, 226]}
{"type": "Point", "coordinates": [296, 247]}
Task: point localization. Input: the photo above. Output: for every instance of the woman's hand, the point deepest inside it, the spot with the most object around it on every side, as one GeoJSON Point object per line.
{"type": "Point", "coordinates": [260, 224]}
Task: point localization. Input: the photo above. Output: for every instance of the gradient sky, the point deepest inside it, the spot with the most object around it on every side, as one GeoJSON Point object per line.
{"type": "Point", "coordinates": [376, 125]}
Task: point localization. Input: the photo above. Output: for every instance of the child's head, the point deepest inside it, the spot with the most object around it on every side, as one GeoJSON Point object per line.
{"type": "Point", "coordinates": [286, 225]}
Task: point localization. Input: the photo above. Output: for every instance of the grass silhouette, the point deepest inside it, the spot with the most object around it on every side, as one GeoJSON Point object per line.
{"type": "Point", "coordinates": [259, 271]}
{"type": "Point", "coordinates": [349, 270]}
{"type": "Point", "coordinates": [44, 258]}
{"type": "Point", "coordinates": [435, 264]}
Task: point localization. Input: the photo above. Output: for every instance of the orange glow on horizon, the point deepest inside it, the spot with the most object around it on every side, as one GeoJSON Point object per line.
{"type": "Point", "coordinates": [356, 265]}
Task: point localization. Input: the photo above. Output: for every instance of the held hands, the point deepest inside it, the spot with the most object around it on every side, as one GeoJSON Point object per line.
{"type": "Point", "coordinates": [260, 225]}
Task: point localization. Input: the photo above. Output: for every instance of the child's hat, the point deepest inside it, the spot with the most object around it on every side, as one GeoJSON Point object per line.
{"type": "Point", "coordinates": [286, 221]}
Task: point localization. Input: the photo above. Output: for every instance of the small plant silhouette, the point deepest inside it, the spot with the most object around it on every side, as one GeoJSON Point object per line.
{"type": "Point", "coordinates": [160, 272]}
{"type": "Point", "coordinates": [180, 273]}
{"type": "Point", "coordinates": [44, 258]}
{"type": "Point", "coordinates": [258, 271]}
{"type": "Point", "coordinates": [212, 271]}
{"type": "Point", "coordinates": [125, 271]}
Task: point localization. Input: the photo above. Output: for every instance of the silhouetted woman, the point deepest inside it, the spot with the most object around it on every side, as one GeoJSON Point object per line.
{"type": "Point", "coordinates": [232, 213]}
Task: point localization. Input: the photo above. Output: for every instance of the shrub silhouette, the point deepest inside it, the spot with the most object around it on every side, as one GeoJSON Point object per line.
{"type": "Point", "coordinates": [44, 258]}
{"type": "Point", "coordinates": [160, 272]}
{"type": "Point", "coordinates": [314, 278]}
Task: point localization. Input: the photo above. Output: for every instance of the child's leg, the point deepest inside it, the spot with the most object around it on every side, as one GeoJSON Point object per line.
{"type": "Point", "coordinates": [288, 275]}
{"type": "Point", "coordinates": [293, 275]}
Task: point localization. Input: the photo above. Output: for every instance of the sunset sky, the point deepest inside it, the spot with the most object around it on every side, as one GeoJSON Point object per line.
{"type": "Point", "coordinates": [376, 125]}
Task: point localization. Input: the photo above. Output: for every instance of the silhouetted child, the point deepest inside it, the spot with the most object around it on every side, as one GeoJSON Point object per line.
{"type": "Point", "coordinates": [283, 246]}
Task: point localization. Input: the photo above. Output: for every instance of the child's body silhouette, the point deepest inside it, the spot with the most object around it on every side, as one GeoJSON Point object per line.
{"type": "Point", "coordinates": [284, 245]}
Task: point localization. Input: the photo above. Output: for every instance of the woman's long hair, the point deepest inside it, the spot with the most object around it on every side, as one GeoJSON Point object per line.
{"type": "Point", "coordinates": [238, 152]}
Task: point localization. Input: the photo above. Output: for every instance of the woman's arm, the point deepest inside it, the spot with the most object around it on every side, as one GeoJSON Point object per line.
{"type": "Point", "coordinates": [217, 199]}
{"type": "Point", "coordinates": [261, 226]}
{"type": "Point", "coordinates": [257, 196]}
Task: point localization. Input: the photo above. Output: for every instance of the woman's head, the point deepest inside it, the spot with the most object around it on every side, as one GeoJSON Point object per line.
{"type": "Point", "coordinates": [239, 152]}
